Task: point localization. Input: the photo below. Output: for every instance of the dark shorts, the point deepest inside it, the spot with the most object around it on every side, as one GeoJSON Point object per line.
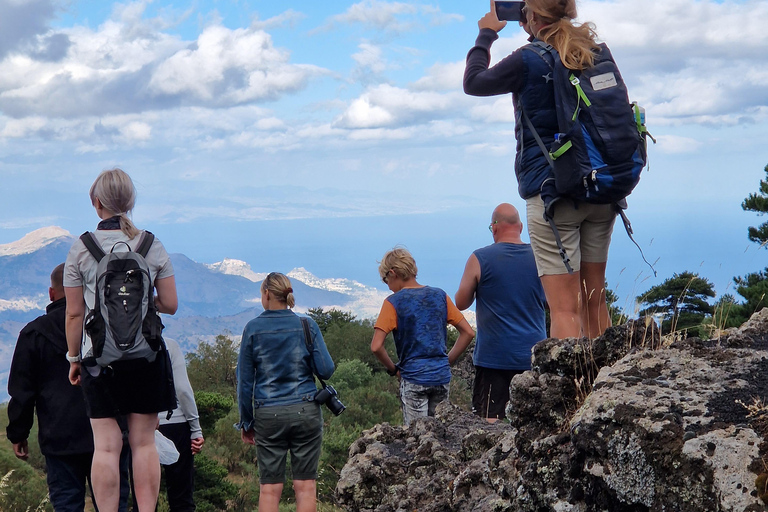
{"type": "Point", "coordinates": [297, 428]}
{"type": "Point", "coordinates": [490, 392]}
{"type": "Point", "coordinates": [125, 387]}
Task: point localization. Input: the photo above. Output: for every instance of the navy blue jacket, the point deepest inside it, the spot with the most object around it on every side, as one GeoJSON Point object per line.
{"type": "Point", "coordinates": [529, 78]}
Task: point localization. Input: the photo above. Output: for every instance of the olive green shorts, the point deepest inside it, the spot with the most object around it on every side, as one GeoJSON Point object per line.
{"type": "Point", "coordinates": [585, 230]}
{"type": "Point", "coordinates": [295, 428]}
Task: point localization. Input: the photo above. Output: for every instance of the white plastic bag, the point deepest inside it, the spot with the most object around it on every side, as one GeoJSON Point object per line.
{"type": "Point", "coordinates": [166, 450]}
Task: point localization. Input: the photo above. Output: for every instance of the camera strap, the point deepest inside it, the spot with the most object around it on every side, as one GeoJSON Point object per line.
{"type": "Point", "coordinates": [310, 347]}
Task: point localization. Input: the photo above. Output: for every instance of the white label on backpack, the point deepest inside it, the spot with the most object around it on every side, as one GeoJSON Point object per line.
{"type": "Point", "coordinates": [604, 81]}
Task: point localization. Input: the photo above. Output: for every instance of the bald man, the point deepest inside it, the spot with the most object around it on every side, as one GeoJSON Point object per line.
{"type": "Point", "coordinates": [510, 306]}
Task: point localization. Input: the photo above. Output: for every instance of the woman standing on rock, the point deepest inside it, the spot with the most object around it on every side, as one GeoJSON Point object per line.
{"type": "Point", "coordinates": [576, 301]}
{"type": "Point", "coordinates": [276, 390]}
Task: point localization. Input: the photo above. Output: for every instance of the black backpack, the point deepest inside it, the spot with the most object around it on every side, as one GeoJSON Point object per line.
{"type": "Point", "coordinates": [124, 323]}
{"type": "Point", "coordinates": [600, 149]}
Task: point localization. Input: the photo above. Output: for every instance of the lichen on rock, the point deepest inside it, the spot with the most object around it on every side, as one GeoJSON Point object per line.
{"type": "Point", "coordinates": [622, 424]}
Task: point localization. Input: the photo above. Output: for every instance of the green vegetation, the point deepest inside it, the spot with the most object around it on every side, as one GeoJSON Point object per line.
{"type": "Point", "coordinates": [682, 300]}
{"type": "Point", "coordinates": [22, 484]}
{"type": "Point", "coordinates": [758, 202]}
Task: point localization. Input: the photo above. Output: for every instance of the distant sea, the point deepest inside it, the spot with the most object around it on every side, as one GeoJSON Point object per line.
{"type": "Point", "coordinates": [716, 247]}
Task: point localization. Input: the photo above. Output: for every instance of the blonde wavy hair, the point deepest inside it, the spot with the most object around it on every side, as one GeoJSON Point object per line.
{"type": "Point", "coordinates": [400, 261]}
{"type": "Point", "coordinates": [115, 191]}
{"type": "Point", "coordinates": [575, 43]}
{"type": "Point", "coordinates": [279, 286]}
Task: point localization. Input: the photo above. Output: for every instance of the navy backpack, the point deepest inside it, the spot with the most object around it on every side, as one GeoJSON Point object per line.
{"type": "Point", "coordinates": [600, 149]}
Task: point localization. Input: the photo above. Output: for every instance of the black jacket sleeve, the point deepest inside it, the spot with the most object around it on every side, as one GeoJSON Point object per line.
{"type": "Point", "coordinates": [23, 386]}
{"type": "Point", "coordinates": [508, 75]}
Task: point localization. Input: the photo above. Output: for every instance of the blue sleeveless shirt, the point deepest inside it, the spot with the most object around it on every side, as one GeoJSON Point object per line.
{"type": "Point", "coordinates": [510, 307]}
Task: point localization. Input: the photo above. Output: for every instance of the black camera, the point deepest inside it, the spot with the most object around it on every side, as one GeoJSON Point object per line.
{"type": "Point", "coordinates": [330, 398]}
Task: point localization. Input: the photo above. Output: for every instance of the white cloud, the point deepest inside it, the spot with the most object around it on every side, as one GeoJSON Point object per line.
{"type": "Point", "coordinates": [136, 131]}
{"type": "Point", "coordinates": [494, 149]}
{"type": "Point", "coordinates": [270, 123]}
{"type": "Point", "coordinates": [362, 113]}
{"type": "Point", "coordinates": [228, 67]}
{"type": "Point", "coordinates": [695, 74]}
{"type": "Point", "coordinates": [129, 64]}
{"type": "Point", "coordinates": [499, 110]}
{"type": "Point", "coordinates": [674, 144]}
{"type": "Point", "coordinates": [689, 61]}
{"type": "Point", "coordinates": [286, 19]}
{"type": "Point", "coordinates": [393, 17]}
{"type": "Point", "coordinates": [441, 77]}
{"type": "Point", "coordinates": [387, 106]}
{"type": "Point", "coordinates": [370, 63]}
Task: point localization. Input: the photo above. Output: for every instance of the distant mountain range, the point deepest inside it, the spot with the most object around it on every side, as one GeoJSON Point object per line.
{"type": "Point", "coordinates": [214, 299]}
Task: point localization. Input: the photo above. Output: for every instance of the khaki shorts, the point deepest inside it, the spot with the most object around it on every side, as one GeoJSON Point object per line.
{"type": "Point", "coordinates": [585, 232]}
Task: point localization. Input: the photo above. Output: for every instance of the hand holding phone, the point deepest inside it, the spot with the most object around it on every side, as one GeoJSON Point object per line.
{"type": "Point", "coordinates": [491, 20]}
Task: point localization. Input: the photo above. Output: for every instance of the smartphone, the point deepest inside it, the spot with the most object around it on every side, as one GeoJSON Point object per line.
{"type": "Point", "coordinates": [510, 11]}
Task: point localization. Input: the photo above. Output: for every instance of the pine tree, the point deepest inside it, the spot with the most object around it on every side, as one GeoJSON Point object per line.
{"type": "Point", "coordinates": [682, 299]}
{"type": "Point", "coordinates": [758, 202]}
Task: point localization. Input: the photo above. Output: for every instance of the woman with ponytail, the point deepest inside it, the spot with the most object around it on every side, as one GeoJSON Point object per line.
{"type": "Point", "coordinates": [576, 301]}
{"type": "Point", "coordinates": [136, 389]}
{"type": "Point", "coordinates": [276, 391]}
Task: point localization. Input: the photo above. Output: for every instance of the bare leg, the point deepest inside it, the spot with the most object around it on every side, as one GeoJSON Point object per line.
{"type": "Point", "coordinates": [564, 299]}
{"type": "Point", "coordinates": [105, 468]}
{"type": "Point", "coordinates": [306, 495]}
{"type": "Point", "coordinates": [269, 497]}
{"type": "Point", "coordinates": [146, 464]}
{"type": "Point", "coordinates": [595, 317]}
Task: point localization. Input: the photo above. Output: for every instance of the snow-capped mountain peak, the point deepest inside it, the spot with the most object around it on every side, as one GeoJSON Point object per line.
{"type": "Point", "coordinates": [237, 268]}
{"type": "Point", "coordinates": [34, 241]}
{"type": "Point", "coordinates": [332, 285]}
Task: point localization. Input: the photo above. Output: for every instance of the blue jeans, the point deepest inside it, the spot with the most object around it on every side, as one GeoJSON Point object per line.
{"type": "Point", "coordinates": [67, 476]}
{"type": "Point", "coordinates": [419, 401]}
{"type": "Point", "coordinates": [66, 480]}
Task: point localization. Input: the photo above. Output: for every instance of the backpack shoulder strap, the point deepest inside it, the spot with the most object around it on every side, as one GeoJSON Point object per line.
{"type": "Point", "coordinates": [92, 245]}
{"type": "Point", "coordinates": [541, 49]}
{"type": "Point", "coordinates": [540, 142]}
{"type": "Point", "coordinates": [145, 243]}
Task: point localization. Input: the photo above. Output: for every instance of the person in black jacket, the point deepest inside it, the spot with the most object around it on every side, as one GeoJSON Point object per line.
{"type": "Point", "coordinates": [39, 379]}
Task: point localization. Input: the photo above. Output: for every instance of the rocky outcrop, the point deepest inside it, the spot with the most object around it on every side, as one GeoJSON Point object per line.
{"type": "Point", "coordinates": [626, 423]}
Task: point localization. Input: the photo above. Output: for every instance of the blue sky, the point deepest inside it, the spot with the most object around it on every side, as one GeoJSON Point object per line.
{"type": "Point", "coordinates": [321, 134]}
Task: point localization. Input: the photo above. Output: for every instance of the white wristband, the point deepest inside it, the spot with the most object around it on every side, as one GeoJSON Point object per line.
{"type": "Point", "coordinates": [73, 359]}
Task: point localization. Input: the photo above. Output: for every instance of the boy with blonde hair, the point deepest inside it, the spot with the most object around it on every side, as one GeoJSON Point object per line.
{"type": "Point", "coordinates": [417, 317]}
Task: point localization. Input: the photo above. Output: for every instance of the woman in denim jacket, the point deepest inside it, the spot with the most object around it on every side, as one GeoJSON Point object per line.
{"type": "Point", "coordinates": [276, 390]}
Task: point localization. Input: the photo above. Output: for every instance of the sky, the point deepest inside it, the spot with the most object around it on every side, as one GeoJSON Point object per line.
{"type": "Point", "coordinates": [321, 134]}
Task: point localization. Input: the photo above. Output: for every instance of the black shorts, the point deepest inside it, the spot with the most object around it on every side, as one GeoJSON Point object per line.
{"type": "Point", "coordinates": [490, 392]}
{"type": "Point", "coordinates": [124, 387]}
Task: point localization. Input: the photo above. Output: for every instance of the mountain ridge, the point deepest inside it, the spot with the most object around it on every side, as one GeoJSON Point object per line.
{"type": "Point", "coordinates": [216, 298]}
